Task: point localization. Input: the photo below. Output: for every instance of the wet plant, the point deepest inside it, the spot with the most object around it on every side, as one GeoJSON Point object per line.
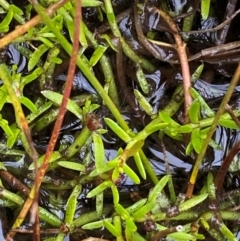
{"type": "Point", "coordinates": [84, 91]}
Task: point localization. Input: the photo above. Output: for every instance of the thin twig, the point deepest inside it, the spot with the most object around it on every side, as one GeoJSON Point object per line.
{"type": "Point", "coordinates": [220, 26]}
{"type": "Point", "coordinates": [231, 113]}
{"type": "Point", "coordinates": [181, 49]}
{"type": "Point", "coordinates": [59, 121]}
{"type": "Point", "coordinates": [224, 167]}
{"type": "Point", "coordinates": [219, 113]}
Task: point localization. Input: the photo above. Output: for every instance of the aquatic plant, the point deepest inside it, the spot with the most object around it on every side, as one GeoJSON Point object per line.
{"type": "Point", "coordinates": [67, 170]}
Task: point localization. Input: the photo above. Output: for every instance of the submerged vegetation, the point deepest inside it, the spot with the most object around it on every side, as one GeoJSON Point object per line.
{"type": "Point", "coordinates": [119, 120]}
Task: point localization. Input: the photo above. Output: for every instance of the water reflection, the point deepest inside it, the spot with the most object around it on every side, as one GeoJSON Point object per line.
{"type": "Point", "coordinates": [1, 231]}
{"type": "Point", "coordinates": [210, 91]}
{"type": "Point", "coordinates": [16, 58]}
{"type": "Point", "coordinates": [79, 82]}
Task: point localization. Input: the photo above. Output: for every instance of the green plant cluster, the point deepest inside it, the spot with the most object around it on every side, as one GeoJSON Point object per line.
{"type": "Point", "coordinates": [169, 215]}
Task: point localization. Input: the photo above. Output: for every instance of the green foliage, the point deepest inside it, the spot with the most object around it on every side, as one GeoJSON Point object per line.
{"type": "Point", "coordinates": [44, 53]}
{"type": "Point", "coordinates": [205, 7]}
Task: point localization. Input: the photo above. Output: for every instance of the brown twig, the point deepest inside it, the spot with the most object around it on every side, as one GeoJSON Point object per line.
{"type": "Point", "coordinates": [58, 123]}
{"type": "Point", "coordinates": [14, 182]}
{"type": "Point", "coordinates": [181, 49]}
{"type": "Point", "coordinates": [233, 116]}
{"type": "Point", "coordinates": [192, 181]}
{"type": "Point", "coordinates": [142, 39]}
{"type": "Point", "coordinates": [224, 167]}
{"type": "Point", "coordinates": [220, 26]}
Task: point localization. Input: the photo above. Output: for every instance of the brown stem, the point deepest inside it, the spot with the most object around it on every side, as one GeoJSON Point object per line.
{"type": "Point", "coordinates": [181, 49]}
{"type": "Point", "coordinates": [220, 26]}
{"type": "Point", "coordinates": [233, 116]}
{"type": "Point", "coordinates": [59, 121]}
{"type": "Point", "coordinates": [224, 167]}
{"type": "Point", "coordinates": [14, 182]}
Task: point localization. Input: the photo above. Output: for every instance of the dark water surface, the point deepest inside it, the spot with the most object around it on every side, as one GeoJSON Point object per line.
{"type": "Point", "coordinates": [212, 86]}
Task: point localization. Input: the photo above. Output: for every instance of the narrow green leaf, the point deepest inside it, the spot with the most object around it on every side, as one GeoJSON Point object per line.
{"type": "Point", "coordinates": [194, 111]}
{"type": "Point", "coordinates": [82, 38]}
{"type": "Point", "coordinates": [91, 3]}
{"type": "Point", "coordinates": [55, 156]}
{"type": "Point", "coordinates": [106, 168]}
{"type": "Point", "coordinates": [99, 203]}
{"type": "Point", "coordinates": [13, 138]}
{"type": "Point", "coordinates": [142, 80]}
{"type": "Point", "coordinates": [228, 124]}
{"type": "Point", "coordinates": [5, 127]}
{"type": "Point", "coordinates": [36, 56]}
{"type": "Point", "coordinates": [131, 173]}
{"type": "Point", "coordinates": [214, 145]}
{"type": "Point", "coordinates": [46, 41]}
{"type": "Point", "coordinates": [45, 35]}
{"type": "Point", "coordinates": [99, 153]}
{"type": "Point", "coordinates": [198, 71]}
{"type": "Point", "coordinates": [189, 148]}
{"type": "Point", "coordinates": [131, 226]}
{"type": "Point", "coordinates": [196, 140]}
{"type": "Point", "coordinates": [3, 98]}
{"type": "Point", "coordinates": [167, 119]}
{"type": "Point", "coordinates": [72, 165]}
{"type": "Point", "coordinates": [122, 211]}
{"type": "Point", "coordinates": [186, 128]}
{"type": "Point", "coordinates": [158, 188]}
{"type": "Point", "coordinates": [117, 130]}
{"type": "Point", "coordinates": [28, 103]}
{"type": "Point", "coordinates": [141, 212]}
{"type": "Point", "coordinates": [97, 54]}
{"type": "Point", "coordinates": [208, 112]}
{"type": "Point", "coordinates": [187, 24]}
{"type": "Point", "coordinates": [115, 194]}
{"type": "Point", "coordinates": [181, 236]}
{"type": "Point", "coordinates": [95, 225]}
{"type": "Point", "coordinates": [111, 228]}
{"type": "Point", "coordinates": [29, 78]}
{"type": "Point", "coordinates": [16, 9]}
{"type": "Point", "coordinates": [32, 116]}
{"type": "Point", "coordinates": [115, 174]}
{"type": "Point", "coordinates": [100, 188]}
{"type": "Point", "coordinates": [205, 7]}
{"type": "Point", "coordinates": [72, 204]}
{"type": "Point", "coordinates": [2, 167]}
{"type": "Point", "coordinates": [4, 25]}
{"type": "Point", "coordinates": [140, 165]}
{"type": "Point", "coordinates": [192, 202]}
{"type": "Point", "coordinates": [144, 103]}
{"type": "Point", "coordinates": [56, 60]}
{"type": "Point", "coordinates": [133, 147]}
{"type": "Point", "coordinates": [49, 218]}
{"type": "Point", "coordinates": [57, 99]}
{"type": "Point", "coordinates": [109, 41]}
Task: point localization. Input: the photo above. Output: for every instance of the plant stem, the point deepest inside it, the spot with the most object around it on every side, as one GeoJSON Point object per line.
{"type": "Point", "coordinates": [181, 49]}
{"type": "Point", "coordinates": [126, 48]}
{"type": "Point", "coordinates": [30, 24]}
{"type": "Point", "coordinates": [106, 67]}
{"type": "Point", "coordinates": [219, 113]}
